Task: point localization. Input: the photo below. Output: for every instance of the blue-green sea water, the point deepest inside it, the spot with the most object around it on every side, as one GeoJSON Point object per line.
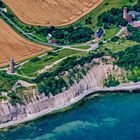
{"type": "Point", "coordinates": [109, 117]}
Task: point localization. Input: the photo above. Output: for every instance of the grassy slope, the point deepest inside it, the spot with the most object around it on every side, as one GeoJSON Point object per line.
{"type": "Point", "coordinates": [116, 47]}
{"type": "Point", "coordinates": [82, 47]}
{"type": "Point", "coordinates": [109, 33]}
{"type": "Point", "coordinates": [30, 68]}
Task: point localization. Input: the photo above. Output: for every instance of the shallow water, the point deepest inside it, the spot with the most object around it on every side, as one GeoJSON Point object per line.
{"type": "Point", "coordinates": [109, 117]}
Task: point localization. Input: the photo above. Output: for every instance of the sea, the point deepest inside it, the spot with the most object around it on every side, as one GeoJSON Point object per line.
{"type": "Point", "coordinates": [106, 117]}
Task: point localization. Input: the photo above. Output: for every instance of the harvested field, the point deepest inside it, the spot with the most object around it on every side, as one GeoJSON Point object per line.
{"type": "Point", "coordinates": [14, 46]}
{"type": "Point", "coordinates": [51, 12]}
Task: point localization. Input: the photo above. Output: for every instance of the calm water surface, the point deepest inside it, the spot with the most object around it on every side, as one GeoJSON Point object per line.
{"type": "Point", "coordinates": [110, 117]}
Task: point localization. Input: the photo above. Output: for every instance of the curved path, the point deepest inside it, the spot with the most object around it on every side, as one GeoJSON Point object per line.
{"type": "Point", "coordinates": [30, 37]}
{"type": "Point", "coordinates": [22, 31]}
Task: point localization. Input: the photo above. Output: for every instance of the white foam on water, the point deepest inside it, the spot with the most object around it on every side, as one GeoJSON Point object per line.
{"type": "Point", "coordinates": [67, 129]}
{"type": "Point", "coordinates": [110, 121]}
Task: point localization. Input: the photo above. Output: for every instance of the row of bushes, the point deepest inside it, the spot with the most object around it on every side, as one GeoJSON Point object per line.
{"type": "Point", "coordinates": [112, 17]}
{"type": "Point", "coordinates": [67, 35]}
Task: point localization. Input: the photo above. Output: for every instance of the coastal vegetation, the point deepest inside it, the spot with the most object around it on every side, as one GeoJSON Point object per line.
{"type": "Point", "coordinates": [32, 67]}
{"type": "Point", "coordinates": [7, 81]}
{"type": "Point", "coordinates": [67, 72]}
{"type": "Point", "coordinates": [129, 59]}
{"type": "Point", "coordinates": [111, 81]}
{"type": "Point", "coordinates": [14, 99]}
{"type": "Point", "coordinates": [70, 70]}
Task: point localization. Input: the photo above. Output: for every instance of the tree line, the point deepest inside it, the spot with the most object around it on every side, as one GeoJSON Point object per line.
{"type": "Point", "coordinates": [129, 58]}
{"type": "Point", "coordinates": [67, 35]}
{"type": "Point", "coordinates": [113, 16]}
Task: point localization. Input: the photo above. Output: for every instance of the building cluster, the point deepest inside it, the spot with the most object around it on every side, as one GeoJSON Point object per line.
{"type": "Point", "coordinates": [50, 39]}
{"type": "Point", "coordinates": [99, 33]}
{"type": "Point", "coordinates": [131, 16]}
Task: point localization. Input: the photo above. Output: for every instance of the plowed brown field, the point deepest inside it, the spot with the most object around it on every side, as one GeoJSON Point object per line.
{"type": "Point", "coordinates": [14, 46]}
{"type": "Point", "coordinates": [51, 12]}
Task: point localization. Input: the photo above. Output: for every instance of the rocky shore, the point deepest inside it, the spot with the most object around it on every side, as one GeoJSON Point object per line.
{"type": "Point", "coordinates": [90, 84]}
{"type": "Point", "coordinates": [127, 87]}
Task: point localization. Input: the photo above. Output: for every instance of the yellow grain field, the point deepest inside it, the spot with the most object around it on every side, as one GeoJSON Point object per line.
{"type": "Point", "coordinates": [51, 12]}
{"type": "Point", "coordinates": [14, 46]}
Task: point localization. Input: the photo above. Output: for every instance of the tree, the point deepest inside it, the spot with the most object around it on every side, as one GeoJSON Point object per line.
{"type": "Point", "coordinates": [88, 20]}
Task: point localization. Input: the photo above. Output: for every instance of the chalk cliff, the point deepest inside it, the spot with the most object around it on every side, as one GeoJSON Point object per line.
{"type": "Point", "coordinates": [94, 78]}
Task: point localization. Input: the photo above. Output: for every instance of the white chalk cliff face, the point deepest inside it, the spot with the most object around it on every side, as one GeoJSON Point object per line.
{"type": "Point", "coordinates": [94, 78]}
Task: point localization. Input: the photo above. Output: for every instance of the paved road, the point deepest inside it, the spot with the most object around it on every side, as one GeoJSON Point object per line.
{"type": "Point", "coordinates": [122, 30]}
{"type": "Point", "coordinates": [94, 46]}
{"type": "Point", "coordinates": [27, 35]}
{"type": "Point", "coordinates": [30, 36]}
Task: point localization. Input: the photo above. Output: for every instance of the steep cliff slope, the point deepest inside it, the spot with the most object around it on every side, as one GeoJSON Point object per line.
{"type": "Point", "coordinates": [94, 78]}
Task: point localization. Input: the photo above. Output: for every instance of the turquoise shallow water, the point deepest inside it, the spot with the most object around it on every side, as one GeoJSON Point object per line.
{"type": "Point", "coordinates": [110, 117]}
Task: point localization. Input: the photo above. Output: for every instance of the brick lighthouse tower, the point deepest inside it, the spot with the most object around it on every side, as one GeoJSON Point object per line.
{"type": "Point", "coordinates": [125, 15]}
{"type": "Point", "coordinates": [11, 65]}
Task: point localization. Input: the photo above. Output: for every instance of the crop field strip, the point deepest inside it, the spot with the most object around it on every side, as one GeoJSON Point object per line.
{"type": "Point", "coordinates": [51, 12]}
{"type": "Point", "coordinates": [14, 46]}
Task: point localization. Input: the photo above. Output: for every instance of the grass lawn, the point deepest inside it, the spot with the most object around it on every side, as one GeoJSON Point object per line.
{"type": "Point", "coordinates": [109, 33]}
{"type": "Point", "coordinates": [7, 81]}
{"type": "Point", "coordinates": [82, 47]}
{"type": "Point", "coordinates": [40, 37]}
{"type": "Point", "coordinates": [116, 47]}
{"type": "Point", "coordinates": [30, 68]}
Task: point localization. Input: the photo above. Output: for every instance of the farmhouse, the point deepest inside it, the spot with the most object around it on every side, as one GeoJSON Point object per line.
{"type": "Point", "coordinates": [99, 33]}
{"type": "Point", "coordinates": [4, 10]}
{"type": "Point", "coordinates": [131, 16]}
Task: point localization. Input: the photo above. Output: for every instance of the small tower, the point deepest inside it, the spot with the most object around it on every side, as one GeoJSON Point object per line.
{"type": "Point", "coordinates": [11, 65]}
{"type": "Point", "coordinates": [125, 15]}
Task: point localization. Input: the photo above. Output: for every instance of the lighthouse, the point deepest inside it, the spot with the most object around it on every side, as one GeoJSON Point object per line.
{"type": "Point", "coordinates": [11, 65]}
{"type": "Point", "coordinates": [125, 15]}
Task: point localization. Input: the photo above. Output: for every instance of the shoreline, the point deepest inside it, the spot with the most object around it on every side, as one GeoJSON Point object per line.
{"type": "Point", "coordinates": [130, 87]}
